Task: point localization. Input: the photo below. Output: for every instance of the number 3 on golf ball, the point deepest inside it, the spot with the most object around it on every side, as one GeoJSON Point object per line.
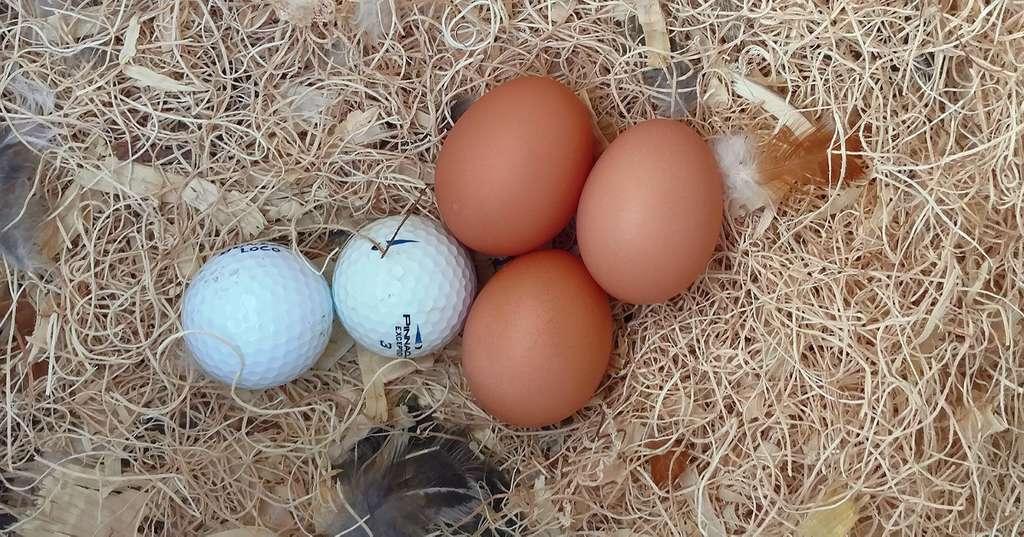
{"type": "Point", "coordinates": [409, 300]}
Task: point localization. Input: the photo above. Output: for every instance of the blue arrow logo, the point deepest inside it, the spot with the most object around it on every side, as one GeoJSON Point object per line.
{"type": "Point", "coordinates": [419, 338]}
{"type": "Point", "coordinates": [395, 242]}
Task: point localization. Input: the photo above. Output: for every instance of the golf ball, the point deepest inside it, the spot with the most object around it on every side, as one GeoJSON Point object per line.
{"type": "Point", "coordinates": [257, 313]}
{"type": "Point", "coordinates": [412, 298]}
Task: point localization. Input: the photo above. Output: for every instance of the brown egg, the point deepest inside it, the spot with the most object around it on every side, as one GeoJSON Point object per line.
{"type": "Point", "coordinates": [538, 340]}
{"type": "Point", "coordinates": [651, 212]}
{"type": "Point", "coordinates": [511, 171]}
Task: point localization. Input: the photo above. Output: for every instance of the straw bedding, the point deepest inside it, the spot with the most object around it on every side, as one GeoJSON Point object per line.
{"type": "Point", "coordinates": [850, 364]}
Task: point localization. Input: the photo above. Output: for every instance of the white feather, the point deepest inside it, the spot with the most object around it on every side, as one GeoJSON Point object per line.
{"type": "Point", "coordinates": [375, 17]}
{"type": "Point", "coordinates": [34, 97]}
{"type": "Point", "coordinates": [43, 8]}
{"type": "Point", "coordinates": [31, 132]}
{"type": "Point", "coordinates": [737, 159]}
{"type": "Point", "coordinates": [34, 102]}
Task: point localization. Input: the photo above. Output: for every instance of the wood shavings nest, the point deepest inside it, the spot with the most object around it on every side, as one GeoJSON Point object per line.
{"type": "Point", "coordinates": [849, 365]}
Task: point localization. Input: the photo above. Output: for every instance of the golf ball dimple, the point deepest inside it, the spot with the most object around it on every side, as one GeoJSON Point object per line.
{"type": "Point", "coordinates": [257, 313]}
{"type": "Point", "coordinates": [413, 299]}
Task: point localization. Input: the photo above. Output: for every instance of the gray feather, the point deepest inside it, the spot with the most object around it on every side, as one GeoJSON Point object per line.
{"type": "Point", "coordinates": [410, 486]}
{"type": "Point", "coordinates": [21, 213]}
{"type": "Point", "coordinates": [33, 104]}
{"type": "Point", "coordinates": [375, 18]}
{"type": "Point", "coordinates": [673, 90]}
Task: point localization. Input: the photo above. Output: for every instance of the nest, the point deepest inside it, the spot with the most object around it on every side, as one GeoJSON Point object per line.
{"type": "Point", "coordinates": [850, 364]}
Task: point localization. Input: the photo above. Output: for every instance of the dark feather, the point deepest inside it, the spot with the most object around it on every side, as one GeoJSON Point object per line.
{"type": "Point", "coordinates": [409, 486]}
{"type": "Point", "coordinates": [21, 213]}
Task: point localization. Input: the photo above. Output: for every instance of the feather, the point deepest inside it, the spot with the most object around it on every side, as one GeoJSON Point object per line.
{"type": "Point", "coordinates": [33, 96]}
{"type": "Point", "coordinates": [673, 89]}
{"type": "Point", "coordinates": [791, 161]}
{"type": "Point", "coordinates": [458, 107]}
{"type": "Point", "coordinates": [375, 17]}
{"type": "Point", "coordinates": [672, 86]}
{"type": "Point", "coordinates": [21, 213]}
{"type": "Point", "coordinates": [737, 158]}
{"type": "Point", "coordinates": [34, 100]}
{"type": "Point", "coordinates": [759, 173]}
{"type": "Point", "coordinates": [43, 8]}
{"type": "Point", "coordinates": [407, 486]}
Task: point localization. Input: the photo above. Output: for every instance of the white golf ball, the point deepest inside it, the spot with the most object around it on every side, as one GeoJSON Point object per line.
{"type": "Point", "coordinates": [412, 300]}
{"type": "Point", "coordinates": [259, 313]}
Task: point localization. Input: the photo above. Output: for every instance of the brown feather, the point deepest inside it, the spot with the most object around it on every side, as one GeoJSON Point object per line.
{"type": "Point", "coordinates": [786, 161]}
{"type": "Point", "coordinates": [666, 467]}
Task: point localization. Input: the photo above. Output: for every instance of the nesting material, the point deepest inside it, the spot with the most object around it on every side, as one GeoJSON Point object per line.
{"type": "Point", "coordinates": [867, 333]}
{"type": "Point", "coordinates": [75, 500]}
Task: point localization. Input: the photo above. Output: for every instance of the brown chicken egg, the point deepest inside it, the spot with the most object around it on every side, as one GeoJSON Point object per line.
{"type": "Point", "coordinates": [511, 170]}
{"type": "Point", "coordinates": [538, 340]}
{"type": "Point", "coordinates": [651, 212]}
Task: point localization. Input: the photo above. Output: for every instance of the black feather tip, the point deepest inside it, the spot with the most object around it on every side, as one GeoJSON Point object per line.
{"type": "Point", "coordinates": [407, 485]}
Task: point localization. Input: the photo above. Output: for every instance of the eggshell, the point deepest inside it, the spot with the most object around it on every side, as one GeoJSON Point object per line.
{"type": "Point", "coordinates": [538, 340]}
{"type": "Point", "coordinates": [511, 170]}
{"type": "Point", "coordinates": [651, 212]}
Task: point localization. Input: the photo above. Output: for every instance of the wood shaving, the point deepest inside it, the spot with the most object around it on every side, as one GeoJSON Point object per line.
{"type": "Point", "coordinates": [187, 261]}
{"type": "Point", "coordinates": [835, 521]}
{"type": "Point", "coordinates": [245, 532]}
{"type": "Point", "coordinates": [230, 210]}
{"type": "Point", "coordinates": [708, 521]}
{"type": "Point", "coordinates": [360, 127]}
{"type": "Point", "coordinates": [376, 400]}
{"type": "Point", "coordinates": [75, 505]}
{"type": "Point", "coordinates": [558, 11]}
{"type": "Point", "coordinates": [796, 359]}
{"type": "Point", "coordinates": [305, 12]}
{"type": "Point", "coordinates": [652, 19]}
{"type": "Point", "coordinates": [131, 41]}
{"type": "Point", "coordinates": [116, 176]}
{"type": "Point", "coordinates": [842, 201]}
{"type": "Point", "coordinates": [71, 25]}
{"type": "Point", "coordinates": [337, 347]}
{"type": "Point", "coordinates": [152, 79]}
{"type": "Point", "coordinates": [311, 105]}
{"type": "Point", "coordinates": [772, 103]}
{"type": "Point", "coordinates": [976, 421]}
{"type": "Point", "coordinates": [168, 23]}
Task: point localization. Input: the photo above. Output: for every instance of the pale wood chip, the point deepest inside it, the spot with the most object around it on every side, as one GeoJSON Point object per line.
{"type": "Point", "coordinates": [131, 41]}
{"type": "Point", "coordinates": [376, 408]}
{"type": "Point", "coordinates": [150, 78]}
{"type": "Point", "coordinates": [245, 532]}
{"type": "Point", "coordinates": [652, 19]}
{"type": "Point", "coordinates": [117, 176]}
{"type": "Point", "coordinates": [310, 105]}
{"type": "Point", "coordinates": [73, 25]}
{"type": "Point", "coordinates": [360, 126]}
{"type": "Point", "coordinates": [835, 521]}
{"type": "Point", "coordinates": [337, 347]}
{"type": "Point", "coordinates": [773, 103]}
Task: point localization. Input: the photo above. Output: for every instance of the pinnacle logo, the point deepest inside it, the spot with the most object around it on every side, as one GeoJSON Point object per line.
{"type": "Point", "coordinates": [406, 340]}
